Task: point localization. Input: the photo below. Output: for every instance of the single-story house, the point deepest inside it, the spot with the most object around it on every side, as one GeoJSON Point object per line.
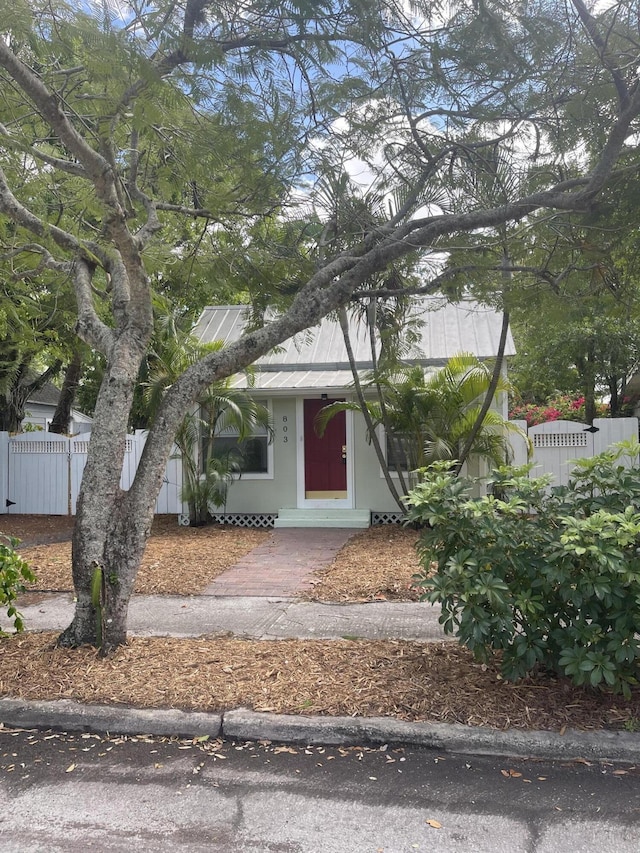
{"type": "Point", "coordinates": [299, 479]}
{"type": "Point", "coordinates": [40, 409]}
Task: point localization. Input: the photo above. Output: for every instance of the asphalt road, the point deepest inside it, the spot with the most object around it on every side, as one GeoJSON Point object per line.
{"type": "Point", "coordinates": [86, 792]}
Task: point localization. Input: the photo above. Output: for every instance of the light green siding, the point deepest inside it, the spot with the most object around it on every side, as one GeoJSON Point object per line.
{"type": "Point", "coordinates": [267, 495]}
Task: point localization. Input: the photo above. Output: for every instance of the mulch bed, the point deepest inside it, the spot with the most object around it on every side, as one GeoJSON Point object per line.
{"type": "Point", "coordinates": [177, 560]}
{"type": "Point", "coordinates": [377, 564]}
{"type": "Point", "coordinates": [438, 682]}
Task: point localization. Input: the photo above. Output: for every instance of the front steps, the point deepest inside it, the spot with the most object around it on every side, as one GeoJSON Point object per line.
{"type": "Point", "coordinates": [357, 518]}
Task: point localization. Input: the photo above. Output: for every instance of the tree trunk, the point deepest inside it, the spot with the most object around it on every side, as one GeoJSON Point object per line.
{"type": "Point", "coordinates": [112, 526]}
{"type": "Point", "coordinates": [497, 368]}
{"type": "Point", "coordinates": [103, 621]}
{"type": "Point", "coordinates": [18, 388]}
{"type": "Point", "coordinates": [62, 414]}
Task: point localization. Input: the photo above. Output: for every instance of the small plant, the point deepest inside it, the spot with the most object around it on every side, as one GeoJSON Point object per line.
{"type": "Point", "coordinates": [550, 577]}
{"type": "Point", "coordinates": [14, 571]}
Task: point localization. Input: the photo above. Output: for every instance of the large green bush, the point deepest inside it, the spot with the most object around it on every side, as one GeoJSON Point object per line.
{"type": "Point", "coordinates": [549, 576]}
{"type": "Point", "coordinates": [13, 572]}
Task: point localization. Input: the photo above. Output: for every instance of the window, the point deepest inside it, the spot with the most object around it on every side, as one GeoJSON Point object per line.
{"type": "Point", "coordinates": [396, 452]}
{"type": "Point", "coordinates": [253, 454]}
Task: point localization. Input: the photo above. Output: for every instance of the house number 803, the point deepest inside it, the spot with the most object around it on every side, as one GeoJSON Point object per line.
{"type": "Point", "coordinates": [285, 429]}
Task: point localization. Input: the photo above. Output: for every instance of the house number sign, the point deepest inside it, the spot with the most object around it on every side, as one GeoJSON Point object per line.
{"type": "Point", "coordinates": [285, 429]}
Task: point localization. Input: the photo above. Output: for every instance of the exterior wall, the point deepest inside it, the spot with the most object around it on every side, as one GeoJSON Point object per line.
{"type": "Point", "coordinates": [263, 495]}
{"type": "Point", "coordinates": [268, 494]}
{"type": "Point", "coordinates": [371, 489]}
{"type": "Point", "coordinates": [37, 414]}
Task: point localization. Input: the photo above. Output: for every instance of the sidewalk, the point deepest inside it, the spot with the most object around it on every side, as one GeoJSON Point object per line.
{"type": "Point", "coordinates": [258, 617]}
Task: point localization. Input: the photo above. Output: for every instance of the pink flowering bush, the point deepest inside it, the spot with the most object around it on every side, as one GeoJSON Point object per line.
{"type": "Point", "coordinates": [561, 408]}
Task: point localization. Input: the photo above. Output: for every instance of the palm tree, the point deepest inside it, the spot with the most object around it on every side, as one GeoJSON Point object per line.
{"type": "Point", "coordinates": [432, 417]}
{"type": "Point", "coordinates": [207, 473]}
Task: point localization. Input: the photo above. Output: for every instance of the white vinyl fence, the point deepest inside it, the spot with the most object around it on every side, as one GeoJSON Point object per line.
{"type": "Point", "coordinates": [40, 473]}
{"type": "Point", "coordinates": [557, 443]}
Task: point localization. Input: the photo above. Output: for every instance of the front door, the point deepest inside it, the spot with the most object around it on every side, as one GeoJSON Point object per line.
{"type": "Point", "coordinates": [325, 459]}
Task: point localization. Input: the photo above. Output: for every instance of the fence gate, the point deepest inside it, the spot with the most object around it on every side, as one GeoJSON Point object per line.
{"type": "Point", "coordinates": [44, 472]}
{"type": "Point", "coordinates": [38, 481]}
{"type": "Point", "coordinates": [557, 444]}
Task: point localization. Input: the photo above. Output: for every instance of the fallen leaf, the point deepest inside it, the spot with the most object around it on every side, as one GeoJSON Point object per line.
{"type": "Point", "coordinates": [619, 773]}
{"type": "Point", "coordinates": [70, 768]}
{"type": "Point", "coordinates": [435, 824]}
{"type": "Point", "coordinates": [288, 749]}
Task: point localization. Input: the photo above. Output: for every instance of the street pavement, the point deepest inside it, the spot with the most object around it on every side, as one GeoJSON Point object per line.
{"type": "Point", "coordinates": [72, 793]}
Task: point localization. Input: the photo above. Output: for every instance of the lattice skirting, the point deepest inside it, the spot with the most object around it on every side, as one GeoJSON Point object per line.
{"type": "Point", "coordinates": [246, 519]}
{"type": "Point", "coordinates": [387, 517]}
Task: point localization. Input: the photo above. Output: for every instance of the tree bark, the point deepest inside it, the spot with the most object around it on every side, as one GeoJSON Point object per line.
{"type": "Point", "coordinates": [62, 415]}
{"type": "Point", "coordinates": [497, 369]}
{"type": "Point", "coordinates": [344, 325]}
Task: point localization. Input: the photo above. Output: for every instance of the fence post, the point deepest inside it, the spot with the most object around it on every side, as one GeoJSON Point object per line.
{"type": "Point", "coordinates": [4, 471]}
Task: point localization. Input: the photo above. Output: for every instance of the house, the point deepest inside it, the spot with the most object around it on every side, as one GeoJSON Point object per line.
{"type": "Point", "coordinates": [299, 479]}
{"type": "Point", "coordinates": [40, 409]}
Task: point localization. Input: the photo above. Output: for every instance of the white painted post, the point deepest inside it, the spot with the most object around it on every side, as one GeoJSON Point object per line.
{"type": "Point", "coordinates": [4, 471]}
{"type": "Point", "coordinates": [518, 444]}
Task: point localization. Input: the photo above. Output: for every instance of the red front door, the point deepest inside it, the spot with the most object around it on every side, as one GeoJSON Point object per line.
{"type": "Point", "coordinates": [325, 459]}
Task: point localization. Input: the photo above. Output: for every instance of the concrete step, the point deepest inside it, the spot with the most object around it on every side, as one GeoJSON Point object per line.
{"type": "Point", "coordinates": [357, 518]}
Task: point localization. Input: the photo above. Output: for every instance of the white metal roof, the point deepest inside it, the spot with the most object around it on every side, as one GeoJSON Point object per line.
{"type": "Point", "coordinates": [317, 358]}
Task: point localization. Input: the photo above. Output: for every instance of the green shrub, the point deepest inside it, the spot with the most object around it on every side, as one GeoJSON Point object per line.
{"type": "Point", "coordinates": [549, 576]}
{"type": "Point", "coordinates": [13, 572]}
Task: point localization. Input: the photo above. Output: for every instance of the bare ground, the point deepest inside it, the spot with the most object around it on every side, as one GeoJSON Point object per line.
{"type": "Point", "coordinates": [439, 682]}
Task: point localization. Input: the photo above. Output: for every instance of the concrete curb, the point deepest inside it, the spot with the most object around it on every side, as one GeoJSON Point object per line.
{"type": "Point", "coordinates": [69, 716]}
{"type": "Point", "coordinates": [242, 724]}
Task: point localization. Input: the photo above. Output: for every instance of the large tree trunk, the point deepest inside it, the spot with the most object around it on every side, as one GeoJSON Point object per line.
{"type": "Point", "coordinates": [112, 526]}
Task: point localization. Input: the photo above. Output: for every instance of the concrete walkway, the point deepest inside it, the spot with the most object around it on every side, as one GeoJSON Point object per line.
{"type": "Point", "coordinates": [258, 617]}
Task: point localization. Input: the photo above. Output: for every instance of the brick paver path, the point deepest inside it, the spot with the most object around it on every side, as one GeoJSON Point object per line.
{"type": "Point", "coordinates": [284, 564]}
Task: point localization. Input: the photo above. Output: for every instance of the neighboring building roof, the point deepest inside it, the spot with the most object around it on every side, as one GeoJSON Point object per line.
{"type": "Point", "coordinates": [317, 358]}
{"type": "Point", "coordinates": [48, 395]}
